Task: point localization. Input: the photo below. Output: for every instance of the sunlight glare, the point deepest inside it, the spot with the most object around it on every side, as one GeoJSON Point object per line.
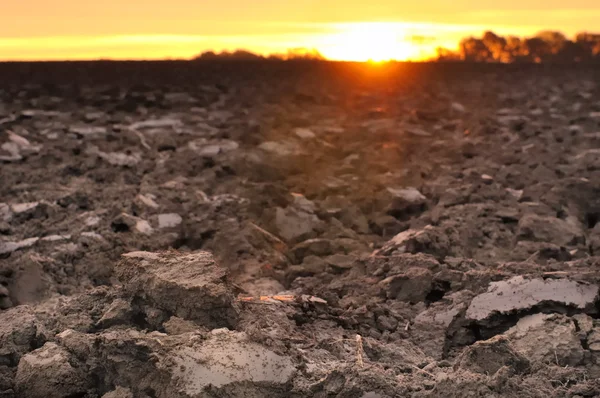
{"type": "Point", "coordinates": [373, 41]}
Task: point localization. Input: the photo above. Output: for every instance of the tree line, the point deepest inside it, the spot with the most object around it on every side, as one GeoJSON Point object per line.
{"type": "Point", "coordinates": [545, 47]}
{"type": "Point", "coordinates": [244, 55]}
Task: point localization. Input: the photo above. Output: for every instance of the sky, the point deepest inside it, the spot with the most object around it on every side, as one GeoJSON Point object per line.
{"type": "Point", "coordinates": [339, 29]}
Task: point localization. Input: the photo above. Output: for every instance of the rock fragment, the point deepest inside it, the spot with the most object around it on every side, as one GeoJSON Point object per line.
{"type": "Point", "coordinates": [5, 301]}
{"type": "Point", "coordinates": [340, 262]}
{"type": "Point", "coordinates": [169, 220]}
{"type": "Point", "coordinates": [118, 313]}
{"type": "Point", "coordinates": [148, 200]}
{"type": "Point", "coordinates": [213, 148]}
{"type": "Point", "coordinates": [279, 148]}
{"type": "Point", "coordinates": [593, 340]}
{"type": "Point", "coordinates": [16, 148]}
{"type": "Point", "coordinates": [156, 123]}
{"type": "Point", "coordinates": [429, 240]}
{"type": "Point", "coordinates": [458, 107]}
{"type": "Point", "coordinates": [125, 223]}
{"type": "Point", "coordinates": [20, 208]}
{"type": "Point", "coordinates": [119, 392]}
{"type": "Point", "coordinates": [9, 247]}
{"type": "Point", "coordinates": [304, 133]}
{"type": "Point", "coordinates": [88, 131]}
{"type": "Point", "coordinates": [412, 285]}
{"type": "Point", "coordinates": [5, 212]}
{"type": "Point", "coordinates": [293, 224]}
{"type": "Point", "coordinates": [405, 202]}
{"type": "Point", "coordinates": [311, 247]}
{"type": "Point", "coordinates": [78, 343]}
{"type": "Point", "coordinates": [116, 158]}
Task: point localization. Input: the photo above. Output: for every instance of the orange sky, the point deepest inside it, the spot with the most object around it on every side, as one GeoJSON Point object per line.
{"type": "Point", "coordinates": [340, 29]}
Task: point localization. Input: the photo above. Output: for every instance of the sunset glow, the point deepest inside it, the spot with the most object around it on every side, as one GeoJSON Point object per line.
{"type": "Point", "coordinates": [369, 41]}
{"type": "Point", "coordinates": [340, 30]}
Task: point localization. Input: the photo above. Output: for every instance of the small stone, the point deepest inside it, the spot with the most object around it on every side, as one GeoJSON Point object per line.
{"type": "Point", "coordinates": [78, 343]}
{"type": "Point", "coordinates": [126, 223]}
{"type": "Point", "coordinates": [593, 340]}
{"type": "Point", "coordinates": [458, 107]}
{"type": "Point", "coordinates": [147, 200]}
{"type": "Point", "coordinates": [93, 235]}
{"type": "Point", "coordinates": [144, 227]}
{"type": "Point", "coordinates": [88, 131]}
{"type": "Point", "coordinates": [92, 116]}
{"type": "Point", "coordinates": [5, 212]}
{"type": "Point", "coordinates": [314, 264]}
{"type": "Point", "coordinates": [516, 193]}
{"type": "Point", "coordinates": [213, 148]}
{"type": "Point", "coordinates": [5, 301]}
{"type": "Point", "coordinates": [176, 325]}
{"type": "Point", "coordinates": [311, 247]}
{"type": "Point", "coordinates": [92, 221]}
{"type": "Point", "coordinates": [294, 272]}
{"type": "Point", "coordinates": [279, 148]}
{"type": "Point", "coordinates": [304, 204]}
{"type": "Point", "coordinates": [401, 243]}
{"type": "Point", "coordinates": [412, 285]}
{"type": "Point", "coordinates": [487, 179]}
{"type": "Point", "coordinates": [304, 133]}
{"type": "Point", "coordinates": [20, 208]}
{"type": "Point", "coordinates": [9, 247]}
{"type": "Point", "coordinates": [387, 323]}
{"type": "Point", "coordinates": [55, 238]}
{"type": "Point", "coordinates": [585, 323]}
{"type": "Point", "coordinates": [405, 202]}
{"type": "Point", "coordinates": [116, 158]}
{"type": "Point", "coordinates": [293, 224]}
{"type": "Point", "coordinates": [340, 262]}
{"type": "Point", "coordinates": [119, 392]}
{"type": "Point", "coordinates": [156, 123]}
{"type": "Point", "coordinates": [419, 132]}
{"type": "Point", "coordinates": [118, 313]}
{"type": "Point", "coordinates": [169, 220]}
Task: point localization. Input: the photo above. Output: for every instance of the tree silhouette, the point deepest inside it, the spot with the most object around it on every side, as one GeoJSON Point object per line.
{"type": "Point", "coordinates": [244, 55]}
{"type": "Point", "coordinates": [546, 46]}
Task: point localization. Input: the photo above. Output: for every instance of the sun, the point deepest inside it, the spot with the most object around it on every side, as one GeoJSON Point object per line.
{"type": "Point", "coordinates": [368, 41]}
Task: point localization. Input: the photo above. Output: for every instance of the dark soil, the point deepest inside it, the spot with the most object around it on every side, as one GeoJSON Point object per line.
{"type": "Point", "coordinates": [433, 230]}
